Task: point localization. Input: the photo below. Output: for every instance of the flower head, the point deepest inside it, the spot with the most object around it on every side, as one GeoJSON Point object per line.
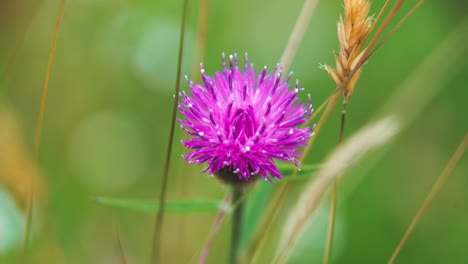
{"type": "Point", "coordinates": [240, 122]}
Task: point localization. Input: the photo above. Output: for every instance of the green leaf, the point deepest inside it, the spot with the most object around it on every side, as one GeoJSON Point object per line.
{"type": "Point", "coordinates": [181, 206]}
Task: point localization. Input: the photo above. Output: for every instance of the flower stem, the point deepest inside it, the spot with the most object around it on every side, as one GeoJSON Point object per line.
{"type": "Point", "coordinates": [237, 217]}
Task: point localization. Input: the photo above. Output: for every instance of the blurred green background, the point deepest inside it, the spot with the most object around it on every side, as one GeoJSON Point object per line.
{"type": "Point", "coordinates": [108, 115]}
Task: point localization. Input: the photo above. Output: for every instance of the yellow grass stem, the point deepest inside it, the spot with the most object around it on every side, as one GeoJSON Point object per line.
{"type": "Point", "coordinates": [334, 199]}
{"type": "Point", "coordinates": [40, 120]}
{"type": "Point", "coordinates": [118, 241]}
{"type": "Point", "coordinates": [396, 27]}
{"type": "Point", "coordinates": [430, 197]}
{"type": "Point", "coordinates": [381, 29]}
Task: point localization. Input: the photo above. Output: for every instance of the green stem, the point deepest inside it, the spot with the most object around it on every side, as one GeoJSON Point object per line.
{"type": "Point", "coordinates": [334, 200]}
{"type": "Point", "coordinates": [237, 217]}
{"type": "Point", "coordinates": [158, 225]}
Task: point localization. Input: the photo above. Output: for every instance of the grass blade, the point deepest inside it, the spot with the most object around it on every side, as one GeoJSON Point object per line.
{"type": "Point", "coordinates": [175, 206]}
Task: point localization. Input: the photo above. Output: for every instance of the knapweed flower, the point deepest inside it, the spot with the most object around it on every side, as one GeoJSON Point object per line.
{"type": "Point", "coordinates": [241, 122]}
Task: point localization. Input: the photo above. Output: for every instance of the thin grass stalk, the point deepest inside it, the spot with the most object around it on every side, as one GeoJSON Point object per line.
{"type": "Point", "coordinates": [370, 50]}
{"type": "Point", "coordinates": [118, 241]}
{"type": "Point", "coordinates": [382, 10]}
{"type": "Point", "coordinates": [40, 121]}
{"type": "Point", "coordinates": [214, 230]}
{"type": "Point", "coordinates": [162, 197]}
{"type": "Point", "coordinates": [334, 200]}
{"type": "Point", "coordinates": [331, 223]}
{"type": "Point", "coordinates": [343, 119]}
{"type": "Point", "coordinates": [430, 197]}
{"type": "Point", "coordinates": [227, 207]}
{"type": "Point", "coordinates": [259, 244]}
{"type": "Point", "coordinates": [380, 30]}
{"type": "Point", "coordinates": [45, 90]}
{"type": "Point", "coordinates": [187, 183]}
{"type": "Point", "coordinates": [396, 27]}
{"type": "Point", "coordinates": [297, 33]}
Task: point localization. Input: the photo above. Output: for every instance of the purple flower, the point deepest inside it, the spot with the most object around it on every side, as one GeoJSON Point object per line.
{"type": "Point", "coordinates": [240, 122]}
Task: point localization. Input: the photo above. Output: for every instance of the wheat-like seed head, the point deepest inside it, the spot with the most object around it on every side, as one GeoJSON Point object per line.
{"type": "Point", "coordinates": [353, 32]}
